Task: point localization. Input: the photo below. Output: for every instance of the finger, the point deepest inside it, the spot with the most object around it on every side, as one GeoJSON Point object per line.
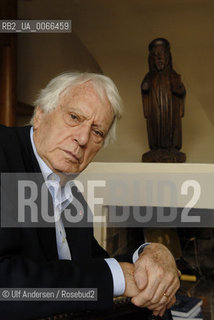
{"type": "Point", "coordinates": [164, 290]}
{"type": "Point", "coordinates": [167, 299]}
{"type": "Point", "coordinates": [159, 305]}
{"type": "Point", "coordinates": [174, 288]}
{"type": "Point", "coordinates": [171, 303]}
{"type": "Point", "coordinates": [144, 298]}
{"type": "Point", "coordinates": [140, 300]}
{"type": "Point", "coordinates": [163, 295]}
{"type": "Point", "coordinates": [159, 312]}
{"type": "Point", "coordinates": [154, 280]}
{"type": "Point", "coordinates": [153, 295]}
{"type": "Point", "coordinates": [167, 295]}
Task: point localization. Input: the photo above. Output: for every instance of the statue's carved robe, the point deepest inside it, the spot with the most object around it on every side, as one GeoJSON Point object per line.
{"type": "Point", "coordinates": [163, 103]}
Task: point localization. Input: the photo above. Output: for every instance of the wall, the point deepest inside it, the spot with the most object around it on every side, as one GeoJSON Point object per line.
{"type": "Point", "coordinates": [115, 34]}
{"type": "Point", "coordinates": [43, 56]}
{"type": "Point", "coordinates": [127, 27]}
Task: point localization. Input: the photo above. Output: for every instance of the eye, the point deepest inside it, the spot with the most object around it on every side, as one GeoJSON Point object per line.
{"type": "Point", "coordinates": [73, 116]}
{"type": "Point", "coordinates": [98, 133]}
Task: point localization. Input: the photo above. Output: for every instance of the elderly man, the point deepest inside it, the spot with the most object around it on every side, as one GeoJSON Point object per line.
{"type": "Point", "coordinates": [75, 116]}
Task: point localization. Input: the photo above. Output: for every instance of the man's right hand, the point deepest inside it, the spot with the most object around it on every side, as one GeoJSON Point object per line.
{"type": "Point", "coordinates": [131, 290]}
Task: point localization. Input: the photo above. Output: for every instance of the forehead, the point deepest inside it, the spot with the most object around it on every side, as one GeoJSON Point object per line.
{"type": "Point", "coordinates": [85, 99]}
{"type": "Point", "coordinates": [159, 48]}
{"type": "Point", "coordinates": [82, 92]}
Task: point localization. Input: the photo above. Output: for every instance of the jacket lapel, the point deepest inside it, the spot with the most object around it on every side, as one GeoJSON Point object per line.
{"type": "Point", "coordinates": [79, 235]}
{"type": "Point", "coordinates": [46, 235]}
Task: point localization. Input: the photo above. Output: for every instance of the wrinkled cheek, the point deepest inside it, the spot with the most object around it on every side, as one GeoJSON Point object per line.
{"type": "Point", "coordinates": [88, 158]}
{"type": "Point", "coordinates": [93, 153]}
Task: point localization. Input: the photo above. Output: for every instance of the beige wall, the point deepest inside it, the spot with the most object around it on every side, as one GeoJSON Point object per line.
{"type": "Point", "coordinates": [43, 56]}
{"type": "Point", "coordinates": [116, 34]}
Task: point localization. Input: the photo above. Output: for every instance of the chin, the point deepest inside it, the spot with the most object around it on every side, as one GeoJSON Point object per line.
{"type": "Point", "coordinates": [66, 168]}
{"type": "Point", "coordinates": [72, 169]}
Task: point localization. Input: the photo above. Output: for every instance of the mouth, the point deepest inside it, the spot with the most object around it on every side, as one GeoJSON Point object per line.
{"type": "Point", "coordinates": [160, 63]}
{"type": "Point", "coordinates": [72, 156]}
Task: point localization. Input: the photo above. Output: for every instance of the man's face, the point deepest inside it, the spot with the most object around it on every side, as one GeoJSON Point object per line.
{"type": "Point", "coordinates": [69, 137]}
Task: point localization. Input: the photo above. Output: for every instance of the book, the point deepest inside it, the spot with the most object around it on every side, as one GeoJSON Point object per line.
{"type": "Point", "coordinates": [185, 306]}
{"type": "Point", "coordinates": [196, 315]}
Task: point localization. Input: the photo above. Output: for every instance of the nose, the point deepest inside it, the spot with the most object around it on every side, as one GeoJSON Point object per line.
{"type": "Point", "coordinates": [83, 134]}
{"type": "Point", "coordinates": [160, 56]}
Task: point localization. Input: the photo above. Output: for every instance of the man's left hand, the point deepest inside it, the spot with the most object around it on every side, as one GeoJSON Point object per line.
{"type": "Point", "coordinates": [157, 277]}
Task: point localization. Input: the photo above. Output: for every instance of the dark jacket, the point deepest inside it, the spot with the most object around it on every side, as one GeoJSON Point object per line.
{"type": "Point", "coordinates": [28, 256]}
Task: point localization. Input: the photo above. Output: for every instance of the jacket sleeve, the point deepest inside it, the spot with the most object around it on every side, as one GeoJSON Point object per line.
{"type": "Point", "coordinates": [17, 270]}
{"type": "Point", "coordinates": [28, 257]}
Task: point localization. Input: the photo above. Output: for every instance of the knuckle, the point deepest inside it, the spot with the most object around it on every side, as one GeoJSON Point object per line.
{"type": "Point", "coordinates": [137, 302]}
{"type": "Point", "coordinates": [156, 308]}
{"type": "Point", "coordinates": [170, 277]}
{"type": "Point", "coordinates": [154, 300]}
{"type": "Point", "coordinates": [160, 272]}
{"type": "Point", "coordinates": [148, 296]}
{"type": "Point", "coordinates": [150, 307]}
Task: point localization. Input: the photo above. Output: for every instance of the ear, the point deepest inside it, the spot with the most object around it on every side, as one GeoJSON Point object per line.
{"type": "Point", "coordinates": [38, 117]}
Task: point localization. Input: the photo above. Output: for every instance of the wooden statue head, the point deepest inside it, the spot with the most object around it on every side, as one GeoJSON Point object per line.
{"type": "Point", "coordinates": [159, 55]}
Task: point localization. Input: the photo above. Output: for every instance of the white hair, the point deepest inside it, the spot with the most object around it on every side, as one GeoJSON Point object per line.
{"type": "Point", "coordinates": [48, 98]}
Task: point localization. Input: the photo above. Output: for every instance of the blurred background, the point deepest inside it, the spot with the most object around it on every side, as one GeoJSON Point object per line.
{"type": "Point", "coordinates": [112, 36]}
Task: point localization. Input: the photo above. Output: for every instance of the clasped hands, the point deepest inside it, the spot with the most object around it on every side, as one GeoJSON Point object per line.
{"type": "Point", "coordinates": [153, 280]}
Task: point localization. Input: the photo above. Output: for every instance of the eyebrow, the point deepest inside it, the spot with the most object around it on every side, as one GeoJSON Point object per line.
{"type": "Point", "coordinates": [100, 127]}
{"type": "Point", "coordinates": [94, 125]}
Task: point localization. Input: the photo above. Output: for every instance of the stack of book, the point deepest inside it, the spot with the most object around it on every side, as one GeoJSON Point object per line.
{"type": "Point", "coordinates": [187, 308]}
